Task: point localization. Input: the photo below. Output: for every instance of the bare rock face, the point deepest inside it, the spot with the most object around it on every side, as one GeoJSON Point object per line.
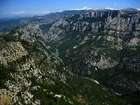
{"type": "Point", "coordinates": [90, 50]}
{"type": "Point", "coordinates": [105, 63]}
{"type": "Point", "coordinates": [101, 40]}
{"type": "Point", "coordinates": [30, 74]}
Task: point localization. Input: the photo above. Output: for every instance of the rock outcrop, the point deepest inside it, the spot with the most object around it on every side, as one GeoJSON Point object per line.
{"type": "Point", "coordinates": [24, 67]}
{"type": "Point", "coordinates": [101, 40]}
{"type": "Point", "coordinates": [32, 74]}
{"type": "Point", "coordinates": [96, 50]}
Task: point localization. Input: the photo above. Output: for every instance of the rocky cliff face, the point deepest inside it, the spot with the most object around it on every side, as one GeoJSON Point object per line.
{"type": "Point", "coordinates": [90, 58]}
{"type": "Point", "coordinates": [101, 44]}
{"type": "Point", "coordinates": [32, 74]}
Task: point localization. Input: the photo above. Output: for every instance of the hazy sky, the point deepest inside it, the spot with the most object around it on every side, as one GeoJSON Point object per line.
{"type": "Point", "coordinates": [34, 7]}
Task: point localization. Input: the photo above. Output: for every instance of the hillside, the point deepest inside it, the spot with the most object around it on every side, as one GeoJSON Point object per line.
{"type": "Point", "coordinates": [86, 57]}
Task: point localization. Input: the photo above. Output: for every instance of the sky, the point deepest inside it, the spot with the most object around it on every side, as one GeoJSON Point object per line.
{"type": "Point", "coordinates": [10, 8]}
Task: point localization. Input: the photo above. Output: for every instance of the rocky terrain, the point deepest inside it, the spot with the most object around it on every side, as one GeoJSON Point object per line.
{"type": "Point", "coordinates": [84, 58]}
{"type": "Point", "coordinates": [103, 45]}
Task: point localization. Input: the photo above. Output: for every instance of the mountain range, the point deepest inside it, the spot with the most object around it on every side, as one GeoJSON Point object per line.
{"type": "Point", "coordinates": [78, 57]}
